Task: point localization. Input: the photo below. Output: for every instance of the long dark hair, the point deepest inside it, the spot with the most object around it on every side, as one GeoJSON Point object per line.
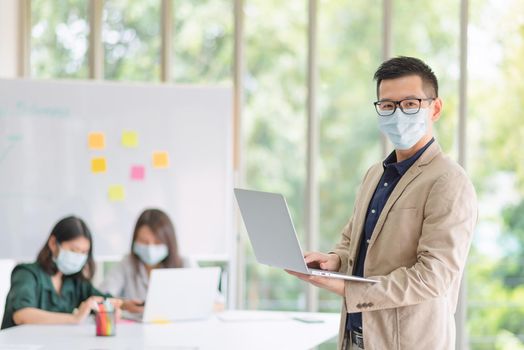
{"type": "Point", "coordinates": [163, 229]}
{"type": "Point", "coordinates": [68, 229]}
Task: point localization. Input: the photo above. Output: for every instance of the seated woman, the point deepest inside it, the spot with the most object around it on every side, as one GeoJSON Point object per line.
{"type": "Point", "coordinates": [154, 245]}
{"type": "Point", "coordinates": [56, 288]}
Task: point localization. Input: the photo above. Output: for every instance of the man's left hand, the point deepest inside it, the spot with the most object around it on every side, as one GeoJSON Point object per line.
{"type": "Point", "coordinates": [334, 285]}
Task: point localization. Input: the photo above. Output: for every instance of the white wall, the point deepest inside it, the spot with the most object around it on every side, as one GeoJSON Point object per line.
{"type": "Point", "coordinates": [6, 266]}
{"type": "Point", "coordinates": [8, 68]}
{"type": "Point", "coordinates": [9, 19]}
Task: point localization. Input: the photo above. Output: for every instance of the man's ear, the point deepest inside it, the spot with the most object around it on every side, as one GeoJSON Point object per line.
{"type": "Point", "coordinates": [436, 110]}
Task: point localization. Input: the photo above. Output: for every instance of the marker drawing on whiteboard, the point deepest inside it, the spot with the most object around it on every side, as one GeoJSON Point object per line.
{"type": "Point", "coordinates": [13, 139]}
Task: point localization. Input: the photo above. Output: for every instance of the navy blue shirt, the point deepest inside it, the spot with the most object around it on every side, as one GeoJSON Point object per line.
{"type": "Point", "coordinates": [393, 172]}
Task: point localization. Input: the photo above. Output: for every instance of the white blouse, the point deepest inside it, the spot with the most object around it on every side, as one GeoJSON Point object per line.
{"type": "Point", "coordinates": [124, 281]}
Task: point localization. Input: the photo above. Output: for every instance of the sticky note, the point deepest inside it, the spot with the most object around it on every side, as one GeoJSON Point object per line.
{"type": "Point", "coordinates": [96, 140]}
{"type": "Point", "coordinates": [160, 160]}
{"type": "Point", "coordinates": [116, 193]}
{"type": "Point", "coordinates": [138, 172]}
{"type": "Point", "coordinates": [98, 165]}
{"type": "Point", "coordinates": [130, 139]}
{"type": "Point", "coordinates": [160, 321]}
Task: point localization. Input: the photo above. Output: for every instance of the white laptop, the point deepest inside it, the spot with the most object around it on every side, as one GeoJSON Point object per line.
{"type": "Point", "coordinates": [272, 234]}
{"type": "Point", "coordinates": [179, 294]}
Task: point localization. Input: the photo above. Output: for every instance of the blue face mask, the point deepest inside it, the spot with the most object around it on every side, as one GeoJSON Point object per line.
{"type": "Point", "coordinates": [69, 262]}
{"type": "Point", "coordinates": [150, 254]}
{"type": "Point", "coordinates": [404, 130]}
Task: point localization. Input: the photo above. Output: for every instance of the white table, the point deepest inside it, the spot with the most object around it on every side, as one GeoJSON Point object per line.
{"type": "Point", "coordinates": [228, 330]}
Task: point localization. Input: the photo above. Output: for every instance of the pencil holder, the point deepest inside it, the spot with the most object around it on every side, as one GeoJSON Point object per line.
{"type": "Point", "coordinates": [105, 323]}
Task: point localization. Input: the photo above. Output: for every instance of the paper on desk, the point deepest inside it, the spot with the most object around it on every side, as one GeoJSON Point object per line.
{"type": "Point", "coordinates": [19, 347]}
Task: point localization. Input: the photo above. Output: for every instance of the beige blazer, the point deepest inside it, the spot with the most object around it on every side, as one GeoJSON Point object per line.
{"type": "Point", "coordinates": [417, 253]}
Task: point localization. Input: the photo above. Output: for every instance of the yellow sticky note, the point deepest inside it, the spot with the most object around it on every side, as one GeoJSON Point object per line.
{"type": "Point", "coordinates": [130, 139]}
{"type": "Point", "coordinates": [96, 140]}
{"type": "Point", "coordinates": [98, 165]}
{"type": "Point", "coordinates": [160, 321]}
{"type": "Point", "coordinates": [116, 193]}
{"type": "Point", "coordinates": [160, 159]}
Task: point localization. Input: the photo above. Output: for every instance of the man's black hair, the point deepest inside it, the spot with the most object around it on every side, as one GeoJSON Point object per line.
{"type": "Point", "coordinates": [402, 66]}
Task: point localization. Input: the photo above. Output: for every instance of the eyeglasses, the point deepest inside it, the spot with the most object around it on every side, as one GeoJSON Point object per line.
{"type": "Point", "coordinates": [407, 106]}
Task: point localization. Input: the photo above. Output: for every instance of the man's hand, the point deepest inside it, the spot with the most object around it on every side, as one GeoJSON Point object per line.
{"type": "Point", "coordinates": [334, 285]}
{"type": "Point", "coordinates": [329, 262]}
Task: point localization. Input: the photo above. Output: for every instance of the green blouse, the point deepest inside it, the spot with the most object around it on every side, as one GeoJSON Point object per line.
{"type": "Point", "coordinates": [31, 286]}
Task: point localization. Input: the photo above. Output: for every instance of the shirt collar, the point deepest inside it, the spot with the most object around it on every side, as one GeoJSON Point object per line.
{"type": "Point", "coordinates": [47, 283]}
{"type": "Point", "coordinates": [403, 166]}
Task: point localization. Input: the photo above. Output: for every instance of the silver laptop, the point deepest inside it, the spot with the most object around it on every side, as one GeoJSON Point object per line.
{"type": "Point", "coordinates": [272, 234]}
{"type": "Point", "coordinates": [179, 294]}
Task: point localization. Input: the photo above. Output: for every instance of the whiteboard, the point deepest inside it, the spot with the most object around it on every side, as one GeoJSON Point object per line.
{"type": "Point", "coordinates": [47, 171]}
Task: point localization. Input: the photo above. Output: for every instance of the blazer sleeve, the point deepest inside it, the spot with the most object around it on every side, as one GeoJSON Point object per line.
{"type": "Point", "coordinates": [450, 215]}
{"type": "Point", "coordinates": [342, 248]}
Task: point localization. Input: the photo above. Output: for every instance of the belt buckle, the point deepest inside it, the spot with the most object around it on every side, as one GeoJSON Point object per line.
{"type": "Point", "coordinates": [358, 339]}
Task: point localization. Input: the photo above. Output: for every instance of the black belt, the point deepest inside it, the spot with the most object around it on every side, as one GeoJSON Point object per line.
{"type": "Point", "coordinates": [358, 339]}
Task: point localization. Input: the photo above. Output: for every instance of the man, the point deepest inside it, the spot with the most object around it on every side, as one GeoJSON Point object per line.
{"type": "Point", "coordinates": [411, 228]}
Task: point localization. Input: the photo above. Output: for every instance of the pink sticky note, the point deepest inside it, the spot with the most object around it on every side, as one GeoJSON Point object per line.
{"type": "Point", "coordinates": [138, 172]}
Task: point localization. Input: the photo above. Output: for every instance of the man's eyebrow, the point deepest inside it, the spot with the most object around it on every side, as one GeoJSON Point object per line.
{"type": "Point", "coordinates": [404, 98]}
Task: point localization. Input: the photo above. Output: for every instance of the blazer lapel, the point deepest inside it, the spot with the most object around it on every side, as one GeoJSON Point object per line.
{"type": "Point", "coordinates": [368, 188]}
{"type": "Point", "coordinates": [409, 176]}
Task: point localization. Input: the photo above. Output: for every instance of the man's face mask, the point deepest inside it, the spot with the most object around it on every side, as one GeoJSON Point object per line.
{"type": "Point", "coordinates": [404, 130]}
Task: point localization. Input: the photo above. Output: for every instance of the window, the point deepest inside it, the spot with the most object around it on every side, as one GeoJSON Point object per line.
{"type": "Point", "coordinates": [349, 135]}
{"type": "Point", "coordinates": [202, 41]}
{"type": "Point", "coordinates": [59, 42]}
{"type": "Point", "coordinates": [430, 30]}
{"type": "Point", "coordinates": [275, 124]}
{"type": "Point", "coordinates": [495, 273]}
{"type": "Point", "coordinates": [131, 36]}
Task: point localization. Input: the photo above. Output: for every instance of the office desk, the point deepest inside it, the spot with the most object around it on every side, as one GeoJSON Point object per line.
{"type": "Point", "coordinates": [228, 330]}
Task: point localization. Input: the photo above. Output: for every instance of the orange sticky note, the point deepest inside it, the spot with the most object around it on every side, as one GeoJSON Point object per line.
{"type": "Point", "coordinates": [116, 193]}
{"type": "Point", "coordinates": [98, 165]}
{"type": "Point", "coordinates": [96, 140]}
{"type": "Point", "coordinates": [130, 139]}
{"type": "Point", "coordinates": [160, 159]}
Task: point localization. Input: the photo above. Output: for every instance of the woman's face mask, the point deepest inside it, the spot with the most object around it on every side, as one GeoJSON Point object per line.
{"type": "Point", "coordinates": [150, 254]}
{"type": "Point", "coordinates": [69, 262]}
